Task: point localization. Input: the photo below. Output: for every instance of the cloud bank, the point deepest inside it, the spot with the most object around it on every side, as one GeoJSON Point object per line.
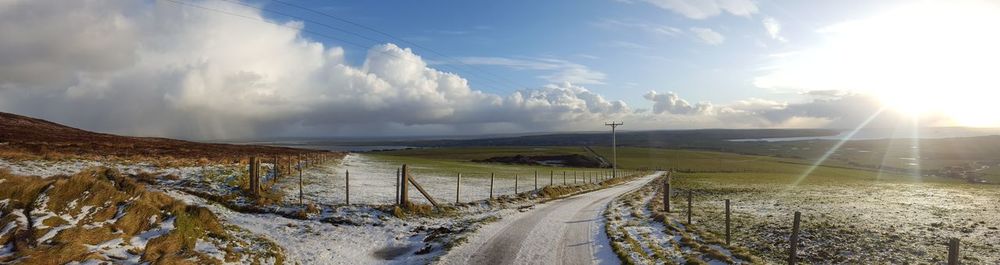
{"type": "Point", "coordinates": [164, 70]}
{"type": "Point", "coordinates": [701, 9]}
{"type": "Point", "coordinates": [158, 69]}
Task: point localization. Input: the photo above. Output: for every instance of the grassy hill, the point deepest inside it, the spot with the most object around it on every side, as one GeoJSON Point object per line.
{"type": "Point", "coordinates": [25, 136]}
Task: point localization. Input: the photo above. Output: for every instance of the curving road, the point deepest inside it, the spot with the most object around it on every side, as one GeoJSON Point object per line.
{"type": "Point", "coordinates": [564, 231]}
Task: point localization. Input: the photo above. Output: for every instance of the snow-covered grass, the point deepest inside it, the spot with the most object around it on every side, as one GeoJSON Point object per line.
{"type": "Point", "coordinates": [642, 234]}
{"type": "Point", "coordinates": [321, 241]}
{"type": "Point", "coordinates": [101, 216]}
{"type": "Point", "coordinates": [50, 168]}
{"type": "Point", "coordinates": [850, 221]}
{"type": "Point", "coordinates": [323, 231]}
{"type": "Point", "coordinates": [373, 181]}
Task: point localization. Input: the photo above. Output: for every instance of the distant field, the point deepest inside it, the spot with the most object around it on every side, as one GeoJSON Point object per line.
{"type": "Point", "coordinates": [969, 158]}
{"type": "Point", "coordinates": [450, 161]}
{"type": "Point", "coordinates": [784, 169]}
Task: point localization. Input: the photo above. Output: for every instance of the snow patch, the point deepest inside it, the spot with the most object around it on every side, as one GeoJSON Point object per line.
{"type": "Point", "coordinates": [165, 227]}
{"type": "Point", "coordinates": [209, 249]}
{"type": "Point", "coordinates": [115, 249]}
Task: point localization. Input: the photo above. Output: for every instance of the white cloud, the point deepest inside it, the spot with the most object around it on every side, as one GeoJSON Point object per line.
{"type": "Point", "coordinates": [626, 45]}
{"type": "Point", "coordinates": [773, 28]}
{"type": "Point", "coordinates": [576, 74]}
{"type": "Point", "coordinates": [708, 36]}
{"type": "Point", "coordinates": [165, 70]}
{"type": "Point", "coordinates": [701, 9]}
{"type": "Point", "coordinates": [671, 103]}
{"type": "Point", "coordinates": [662, 30]}
{"type": "Point", "coordinates": [559, 71]}
{"type": "Point", "coordinates": [831, 109]}
{"type": "Point", "coordinates": [189, 73]}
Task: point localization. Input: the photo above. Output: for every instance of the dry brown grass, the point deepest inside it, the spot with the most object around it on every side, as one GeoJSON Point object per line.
{"type": "Point", "coordinates": [105, 190]}
{"type": "Point", "coordinates": [25, 138]}
{"type": "Point", "coordinates": [553, 192]}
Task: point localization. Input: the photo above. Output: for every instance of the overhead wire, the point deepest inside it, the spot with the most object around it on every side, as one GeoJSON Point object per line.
{"type": "Point", "coordinates": [416, 45]}
{"type": "Point", "coordinates": [494, 84]}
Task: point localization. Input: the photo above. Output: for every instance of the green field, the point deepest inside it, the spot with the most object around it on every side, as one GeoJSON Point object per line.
{"type": "Point", "coordinates": [743, 167]}
{"type": "Point", "coordinates": [851, 214]}
{"type": "Point", "coordinates": [447, 161]}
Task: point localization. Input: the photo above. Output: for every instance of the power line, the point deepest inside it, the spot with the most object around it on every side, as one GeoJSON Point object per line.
{"type": "Point", "coordinates": [393, 37]}
{"type": "Point", "coordinates": [303, 29]}
{"type": "Point", "coordinates": [239, 2]}
{"type": "Point", "coordinates": [451, 68]}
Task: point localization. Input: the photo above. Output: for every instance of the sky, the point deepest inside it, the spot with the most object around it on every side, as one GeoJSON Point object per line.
{"type": "Point", "coordinates": [224, 69]}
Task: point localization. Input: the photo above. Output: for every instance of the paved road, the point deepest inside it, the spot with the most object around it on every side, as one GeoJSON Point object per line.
{"type": "Point", "coordinates": [565, 231]}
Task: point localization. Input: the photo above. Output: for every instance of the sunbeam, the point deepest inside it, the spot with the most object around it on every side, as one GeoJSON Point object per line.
{"type": "Point", "coordinates": [836, 147]}
{"type": "Point", "coordinates": [885, 153]}
{"type": "Point", "coordinates": [915, 148]}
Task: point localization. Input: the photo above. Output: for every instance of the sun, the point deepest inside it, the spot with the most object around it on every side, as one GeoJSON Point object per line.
{"type": "Point", "coordinates": [923, 58]}
{"type": "Point", "coordinates": [928, 58]}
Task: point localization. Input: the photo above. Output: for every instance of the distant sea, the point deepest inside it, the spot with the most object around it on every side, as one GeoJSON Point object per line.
{"type": "Point", "coordinates": [324, 146]}
{"type": "Point", "coordinates": [890, 133]}
{"type": "Point", "coordinates": [351, 148]}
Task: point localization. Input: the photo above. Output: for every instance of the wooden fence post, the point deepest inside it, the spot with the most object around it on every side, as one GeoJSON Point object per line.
{"type": "Point", "coordinates": [300, 184]}
{"type": "Point", "coordinates": [403, 198]}
{"type": "Point", "coordinates": [254, 176]}
{"type": "Point", "coordinates": [347, 186]}
{"type": "Point", "coordinates": [574, 177]}
{"type": "Point", "coordinates": [953, 251]}
{"type": "Point", "coordinates": [398, 178]}
{"type": "Point", "coordinates": [536, 180]}
{"type": "Point", "coordinates": [257, 174]}
{"type": "Point", "coordinates": [250, 174]}
{"type": "Point", "coordinates": [515, 184]}
{"type": "Point", "coordinates": [727, 223]}
{"type": "Point", "coordinates": [492, 176]}
{"type": "Point", "coordinates": [793, 242]}
{"type": "Point", "coordinates": [458, 188]}
{"type": "Point", "coordinates": [689, 206]}
{"type": "Point", "coordinates": [666, 193]}
{"type": "Point", "coordinates": [564, 178]}
{"type": "Point", "coordinates": [551, 175]}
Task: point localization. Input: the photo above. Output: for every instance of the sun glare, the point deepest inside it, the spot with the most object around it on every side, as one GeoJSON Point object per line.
{"type": "Point", "coordinates": [939, 58]}
{"type": "Point", "coordinates": [925, 58]}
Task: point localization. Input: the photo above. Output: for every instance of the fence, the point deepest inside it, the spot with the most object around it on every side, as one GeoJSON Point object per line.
{"type": "Point", "coordinates": [383, 186]}
{"type": "Point", "coordinates": [405, 179]}
{"type": "Point", "coordinates": [793, 239]}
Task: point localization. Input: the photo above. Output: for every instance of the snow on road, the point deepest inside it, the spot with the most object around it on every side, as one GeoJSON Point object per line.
{"type": "Point", "coordinates": [565, 231]}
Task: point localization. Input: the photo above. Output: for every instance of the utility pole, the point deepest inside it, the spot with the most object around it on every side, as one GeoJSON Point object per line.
{"type": "Point", "coordinates": [614, 148]}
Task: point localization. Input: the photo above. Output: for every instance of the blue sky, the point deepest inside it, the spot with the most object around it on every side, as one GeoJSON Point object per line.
{"type": "Point", "coordinates": [614, 39]}
{"type": "Point", "coordinates": [215, 69]}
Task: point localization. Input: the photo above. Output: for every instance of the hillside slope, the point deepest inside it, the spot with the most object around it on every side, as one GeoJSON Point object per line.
{"type": "Point", "coordinates": [33, 136]}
